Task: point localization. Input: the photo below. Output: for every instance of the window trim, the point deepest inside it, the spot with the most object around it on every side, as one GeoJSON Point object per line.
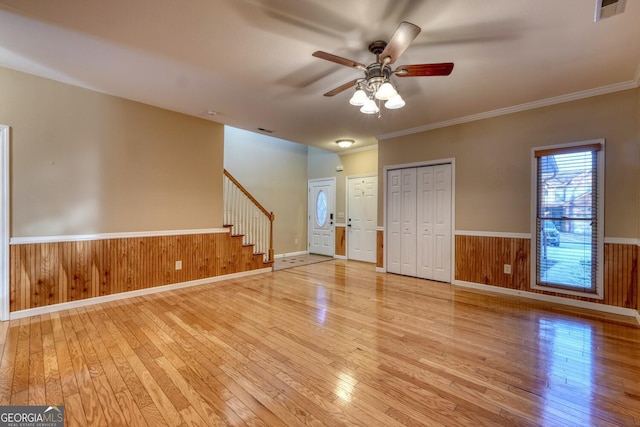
{"type": "Point", "coordinates": [560, 148]}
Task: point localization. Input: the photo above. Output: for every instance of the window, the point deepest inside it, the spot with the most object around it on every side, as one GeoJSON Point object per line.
{"type": "Point", "coordinates": [567, 237]}
{"type": "Point", "coordinates": [321, 209]}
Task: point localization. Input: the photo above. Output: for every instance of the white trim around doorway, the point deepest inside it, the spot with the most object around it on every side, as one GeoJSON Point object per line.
{"type": "Point", "coordinates": [4, 222]}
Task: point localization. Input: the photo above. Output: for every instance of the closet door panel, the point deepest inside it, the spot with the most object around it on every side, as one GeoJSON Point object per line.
{"type": "Point", "coordinates": [408, 223]}
{"type": "Point", "coordinates": [394, 220]}
{"type": "Point", "coordinates": [442, 223]}
{"type": "Point", "coordinates": [425, 222]}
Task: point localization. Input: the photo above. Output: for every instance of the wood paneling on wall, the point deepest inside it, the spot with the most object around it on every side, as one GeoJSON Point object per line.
{"type": "Point", "coordinates": [341, 240]}
{"type": "Point", "coordinates": [480, 259]}
{"type": "Point", "coordinates": [50, 273]}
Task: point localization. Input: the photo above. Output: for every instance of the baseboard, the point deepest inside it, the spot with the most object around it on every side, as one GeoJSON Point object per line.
{"type": "Point", "coordinates": [551, 298]}
{"type": "Point", "coordinates": [290, 254]}
{"type": "Point", "coordinates": [340, 257]}
{"type": "Point", "coordinates": [124, 295]}
{"type": "Point", "coordinates": [381, 270]}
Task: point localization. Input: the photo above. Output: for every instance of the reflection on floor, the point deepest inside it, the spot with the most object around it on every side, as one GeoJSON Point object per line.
{"type": "Point", "coordinates": [298, 260]}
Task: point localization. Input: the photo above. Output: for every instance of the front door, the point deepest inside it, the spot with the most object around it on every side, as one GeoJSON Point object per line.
{"type": "Point", "coordinates": [321, 216]}
{"type": "Point", "coordinates": [362, 218]}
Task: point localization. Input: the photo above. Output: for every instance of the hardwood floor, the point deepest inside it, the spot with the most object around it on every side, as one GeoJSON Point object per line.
{"type": "Point", "coordinates": [332, 343]}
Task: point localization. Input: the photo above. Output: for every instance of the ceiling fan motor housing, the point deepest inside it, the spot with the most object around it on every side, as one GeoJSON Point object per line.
{"type": "Point", "coordinates": [376, 74]}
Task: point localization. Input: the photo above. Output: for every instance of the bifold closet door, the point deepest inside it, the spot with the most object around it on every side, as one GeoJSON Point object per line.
{"type": "Point", "coordinates": [419, 222]}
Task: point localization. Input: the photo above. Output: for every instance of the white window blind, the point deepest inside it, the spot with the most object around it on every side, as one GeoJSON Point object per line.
{"type": "Point", "coordinates": [568, 240]}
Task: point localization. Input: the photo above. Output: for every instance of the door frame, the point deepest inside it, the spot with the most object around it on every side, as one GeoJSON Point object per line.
{"type": "Point", "coordinates": [386, 169]}
{"type": "Point", "coordinates": [333, 220]}
{"type": "Point", "coordinates": [346, 204]}
{"type": "Point", "coordinates": [4, 222]}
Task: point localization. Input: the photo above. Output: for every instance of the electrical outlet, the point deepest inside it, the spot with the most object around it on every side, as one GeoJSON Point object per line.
{"type": "Point", "coordinates": [295, 241]}
{"type": "Point", "coordinates": [178, 265]}
{"type": "Point", "coordinates": [507, 269]}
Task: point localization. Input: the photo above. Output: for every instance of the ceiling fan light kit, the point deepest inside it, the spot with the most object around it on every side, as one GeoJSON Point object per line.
{"type": "Point", "coordinates": [394, 103]}
{"type": "Point", "coordinates": [369, 107]}
{"type": "Point", "coordinates": [376, 84]}
{"type": "Point", "coordinates": [359, 98]}
{"type": "Point", "coordinates": [385, 92]}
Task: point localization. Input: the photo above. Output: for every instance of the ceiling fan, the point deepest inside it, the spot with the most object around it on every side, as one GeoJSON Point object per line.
{"type": "Point", "coordinates": [376, 83]}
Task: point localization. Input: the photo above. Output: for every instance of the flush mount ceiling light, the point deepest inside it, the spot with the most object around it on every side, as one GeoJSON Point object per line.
{"type": "Point", "coordinates": [345, 143]}
{"type": "Point", "coordinates": [376, 86]}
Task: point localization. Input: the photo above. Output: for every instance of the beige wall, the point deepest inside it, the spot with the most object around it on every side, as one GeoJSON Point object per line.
{"type": "Point", "coordinates": [274, 171]}
{"type": "Point", "coordinates": [322, 164]}
{"type": "Point", "coordinates": [493, 160]}
{"type": "Point", "coordinates": [84, 162]}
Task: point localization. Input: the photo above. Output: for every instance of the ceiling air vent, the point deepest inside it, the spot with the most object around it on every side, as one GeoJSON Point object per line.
{"type": "Point", "coordinates": [607, 8]}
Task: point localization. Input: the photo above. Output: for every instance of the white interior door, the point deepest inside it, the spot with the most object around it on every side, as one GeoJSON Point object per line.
{"type": "Point", "coordinates": [321, 216]}
{"type": "Point", "coordinates": [4, 223]}
{"type": "Point", "coordinates": [362, 218]}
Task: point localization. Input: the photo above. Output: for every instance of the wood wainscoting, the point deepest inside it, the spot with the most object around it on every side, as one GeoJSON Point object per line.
{"type": "Point", "coordinates": [43, 274]}
{"type": "Point", "coordinates": [480, 259]}
{"type": "Point", "coordinates": [341, 240]}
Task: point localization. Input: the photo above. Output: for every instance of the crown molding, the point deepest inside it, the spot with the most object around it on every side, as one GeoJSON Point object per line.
{"type": "Point", "coordinates": [603, 90]}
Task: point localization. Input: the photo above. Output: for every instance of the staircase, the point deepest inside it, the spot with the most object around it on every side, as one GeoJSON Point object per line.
{"type": "Point", "coordinates": [250, 223]}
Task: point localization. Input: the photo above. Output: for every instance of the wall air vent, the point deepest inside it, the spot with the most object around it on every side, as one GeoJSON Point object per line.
{"type": "Point", "coordinates": [607, 8]}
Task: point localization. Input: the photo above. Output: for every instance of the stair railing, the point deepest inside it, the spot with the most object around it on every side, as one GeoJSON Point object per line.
{"type": "Point", "coordinates": [248, 217]}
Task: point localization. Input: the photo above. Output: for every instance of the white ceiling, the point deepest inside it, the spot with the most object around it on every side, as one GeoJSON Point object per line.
{"type": "Point", "coordinates": [250, 60]}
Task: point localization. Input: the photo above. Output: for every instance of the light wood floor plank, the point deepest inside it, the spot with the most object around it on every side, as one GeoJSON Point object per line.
{"type": "Point", "coordinates": [7, 363]}
{"type": "Point", "coordinates": [332, 344]}
{"type": "Point", "coordinates": [130, 410]}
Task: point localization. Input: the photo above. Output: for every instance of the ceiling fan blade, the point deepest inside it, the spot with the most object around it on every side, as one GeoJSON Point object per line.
{"type": "Point", "coordinates": [400, 41]}
{"type": "Point", "coordinates": [338, 59]}
{"type": "Point", "coordinates": [342, 88]}
{"type": "Point", "coordinates": [443, 69]}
